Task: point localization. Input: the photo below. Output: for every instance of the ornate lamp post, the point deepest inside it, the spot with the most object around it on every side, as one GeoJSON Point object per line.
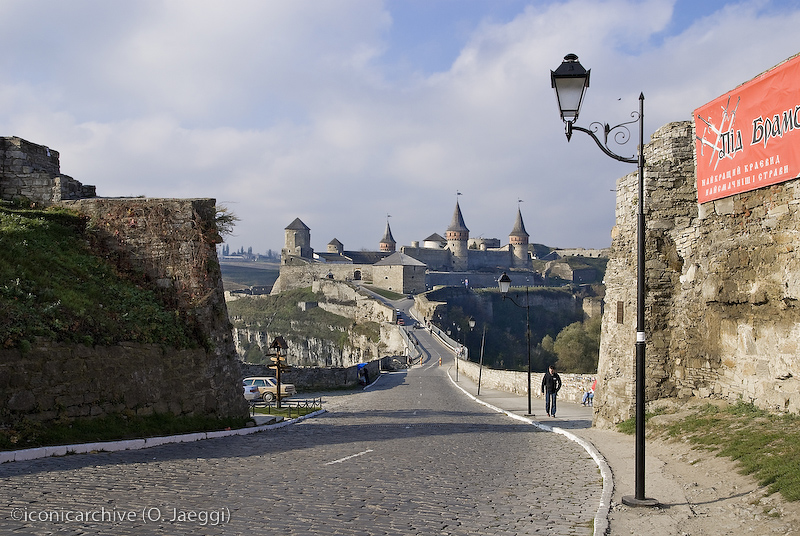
{"type": "Point", "coordinates": [570, 82]}
{"type": "Point", "coordinates": [505, 284]}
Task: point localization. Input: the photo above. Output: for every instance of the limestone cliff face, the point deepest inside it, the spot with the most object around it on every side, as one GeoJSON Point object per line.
{"type": "Point", "coordinates": [351, 348]}
{"type": "Point", "coordinates": [723, 284]}
{"type": "Point", "coordinates": [344, 347]}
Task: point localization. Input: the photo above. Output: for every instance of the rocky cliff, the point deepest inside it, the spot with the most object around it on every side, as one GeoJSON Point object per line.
{"type": "Point", "coordinates": [332, 324]}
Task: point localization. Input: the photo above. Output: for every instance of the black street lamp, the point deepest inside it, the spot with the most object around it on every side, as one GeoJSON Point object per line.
{"type": "Point", "coordinates": [505, 283]}
{"type": "Point", "coordinates": [570, 81]}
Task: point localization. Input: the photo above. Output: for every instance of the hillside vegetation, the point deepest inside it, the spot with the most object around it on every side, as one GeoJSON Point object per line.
{"type": "Point", "coordinates": [53, 286]}
{"type": "Point", "coordinates": [280, 315]}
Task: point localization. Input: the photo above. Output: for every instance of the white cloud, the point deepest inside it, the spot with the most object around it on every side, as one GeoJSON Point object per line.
{"type": "Point", "coordinates": [290, 108]}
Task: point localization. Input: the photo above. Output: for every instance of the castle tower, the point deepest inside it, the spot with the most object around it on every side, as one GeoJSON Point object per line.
{"type": "Point", "coordinates": [518, 239]}
{"type": "Point", "coordinates": [298, 241]}
{"type": "Point", "coordinates": [457, 236]}
{"type": "Point", "coordinates": [334, 246]}
{"type": "Point", "coordinates": [387, 243]}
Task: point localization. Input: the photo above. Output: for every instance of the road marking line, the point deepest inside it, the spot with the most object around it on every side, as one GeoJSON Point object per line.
{"type": "Point", "coordinates": [349, 457]}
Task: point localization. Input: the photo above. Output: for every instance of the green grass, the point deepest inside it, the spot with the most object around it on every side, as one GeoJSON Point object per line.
{"type": "Point", "coordinates": [388, 294]}
{"type": "Point", "coordinates": [764, 445]}
{"type": "Point", "coordinates": [288, 413]}
{"type": "Point", "coordinates": [29, 434]}
{"type": "Point", "coordinates": [53, 286]}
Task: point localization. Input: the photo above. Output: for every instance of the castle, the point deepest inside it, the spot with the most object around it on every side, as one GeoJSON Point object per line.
{"type": "Point", "coordinates": [452, 259]}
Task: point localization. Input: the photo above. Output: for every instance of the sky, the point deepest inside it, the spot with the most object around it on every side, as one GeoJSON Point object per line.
{"type": "Point", "coordinates": [351, 113]}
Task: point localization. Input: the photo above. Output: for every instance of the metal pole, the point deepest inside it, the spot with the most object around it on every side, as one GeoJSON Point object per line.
{"type": "Point", "coordinates": [528, 336]}
{"type": "Point", "coordinates": [640, 334]}
{"type": "Point", "coordinates": [480, 369]}
{"type": "Point", "coordinates": [458, 353]}
{"type": "Point", "coordinates": [639, 498]}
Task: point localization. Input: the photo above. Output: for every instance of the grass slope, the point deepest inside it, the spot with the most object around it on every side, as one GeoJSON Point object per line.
{"type": "Point", "coordinates": [53, 286]}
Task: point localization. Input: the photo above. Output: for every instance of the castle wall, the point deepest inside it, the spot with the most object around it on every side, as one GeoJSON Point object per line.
{"type": "Point", "coordinates": [32, 172]}
{"type": "Point", "coordinates": [173, 243]}
{"type": "Point", "coordinates": [346, 300]}
{"type": "Point", "coordinates": [435, 259]}
{"type": "Point", "coordinates": [478, 259]}
{"type": "Point", "coordinates": [723, 284]}
{"type": "Point", "coordinates": [400, 279]}
{"type": "Point", "coordinates": [301, 273]}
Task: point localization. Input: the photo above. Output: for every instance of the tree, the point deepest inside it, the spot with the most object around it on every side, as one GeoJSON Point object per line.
{"type": "Point", "coordinates": [578, 346]}
{"type": "Point", "coordinates": [547, 352]}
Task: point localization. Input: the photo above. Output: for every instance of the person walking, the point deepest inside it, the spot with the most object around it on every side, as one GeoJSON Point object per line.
{"type": "Point", "coordinates": [551, 383]}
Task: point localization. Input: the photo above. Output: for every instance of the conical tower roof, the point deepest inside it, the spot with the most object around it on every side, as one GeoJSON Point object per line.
{"type": "Point", "coordinates": [387, 236]}
{"type": "Point", "coordinates": [519, 227]}
{"type": "Point", "coordinates": [457, 224]}
{"type": "Point", "coordinates": [297, 225]}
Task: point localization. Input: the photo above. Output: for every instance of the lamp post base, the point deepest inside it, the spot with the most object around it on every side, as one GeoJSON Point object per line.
{"type": "Point", "coordinates": [630, 500]}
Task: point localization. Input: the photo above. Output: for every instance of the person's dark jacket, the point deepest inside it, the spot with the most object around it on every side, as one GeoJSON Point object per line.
{"type": "Point", "coordinates": [551, 382]}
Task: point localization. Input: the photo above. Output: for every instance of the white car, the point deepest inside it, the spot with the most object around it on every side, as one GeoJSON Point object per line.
{"type": "Point", "coordinates": [266, 388]}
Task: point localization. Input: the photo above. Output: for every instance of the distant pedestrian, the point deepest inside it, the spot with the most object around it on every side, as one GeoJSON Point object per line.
{"type": "Point", "coordinates": [551, 383]}
{"type": "Point", "coordinates": [588, 396]}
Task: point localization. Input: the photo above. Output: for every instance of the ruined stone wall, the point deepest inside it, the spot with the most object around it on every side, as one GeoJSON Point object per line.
{"type": "Point", "coordinates": [722, 281]}
{"type": "Point", "coordinates": [171, 244]}
{"type": "Point", "coordinates": [166, 244]}
{"type": "Point", "coordinates": [32, 172]}
{"type": "Point", "coordinates": [344, 299]}
{"type": "Point", "coordinates": [302, 274]}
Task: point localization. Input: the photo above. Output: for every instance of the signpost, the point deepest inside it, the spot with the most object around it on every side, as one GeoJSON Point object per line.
{"type": "Point", "coordinates": [279, 359]}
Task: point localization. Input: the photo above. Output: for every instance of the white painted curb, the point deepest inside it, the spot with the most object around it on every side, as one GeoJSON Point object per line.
{"type": "Point", "coordinates": [137, 444]}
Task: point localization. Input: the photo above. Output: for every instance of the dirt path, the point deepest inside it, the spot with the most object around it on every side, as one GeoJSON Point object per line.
{"type": "Point", "coordinates": [700, 494]}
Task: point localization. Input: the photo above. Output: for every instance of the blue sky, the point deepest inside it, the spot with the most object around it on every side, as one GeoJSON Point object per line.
{"type": "Point", "coordinates": [343, 111]}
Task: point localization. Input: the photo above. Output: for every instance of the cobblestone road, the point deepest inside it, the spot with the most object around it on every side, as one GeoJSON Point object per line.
{"type": "Point", "coordinates": [408, 456]}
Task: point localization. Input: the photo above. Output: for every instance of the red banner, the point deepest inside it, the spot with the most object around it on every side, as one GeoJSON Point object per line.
{"type": "Point", "coordinates": [750, 137]}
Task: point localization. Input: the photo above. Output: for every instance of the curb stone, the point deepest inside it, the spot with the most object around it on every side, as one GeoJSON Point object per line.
{"type": "Point", "coordinates": [137, 444]}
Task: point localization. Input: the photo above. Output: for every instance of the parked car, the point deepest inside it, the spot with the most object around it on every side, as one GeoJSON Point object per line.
{"type": "Point", "coordinates": [266, 388]}
{"type": "Point", "coordinates": [250, 390]}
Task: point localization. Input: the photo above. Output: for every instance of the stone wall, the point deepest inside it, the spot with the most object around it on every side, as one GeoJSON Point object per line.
{"type": "Point", "coordinates": [722, 281]}
{"type": "Point", "coordinates": [166, 244]}
{"type": "Point", "coordinates": [32, 172]}
{"type": "Point", "coordinates": [300, 273]}
{"type": "Point", "coordinates": [402, 279]}
{"type": "Point", "coordinates": [316, 378]}
{"type": "Point", "coordinates": [345, 299]}
{"type": "Point", "coordinates": [56, 381]}
{"type": "Point", "coordinates": [171, 244]}
{"type": "Point", "coordinates": [573, 386]}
